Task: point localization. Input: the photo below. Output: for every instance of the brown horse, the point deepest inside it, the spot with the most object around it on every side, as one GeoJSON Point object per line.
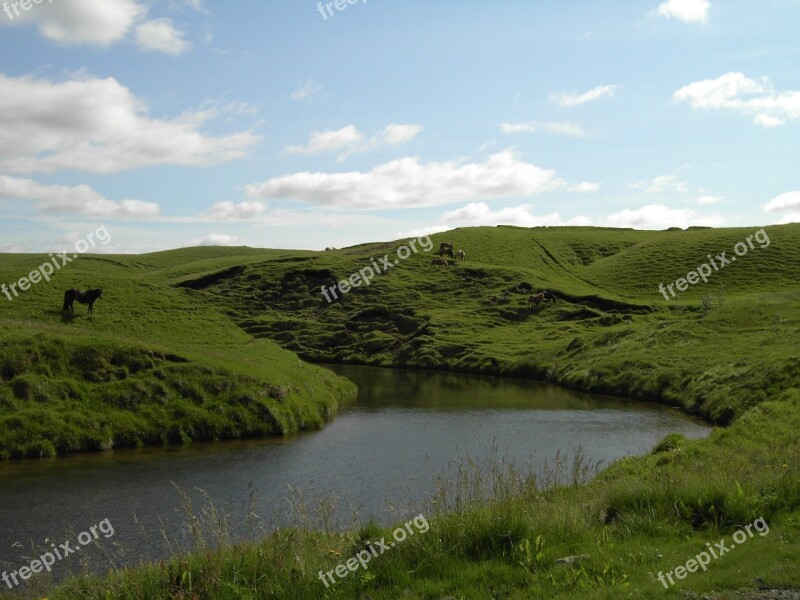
{"type": "Point", "coordinates": [446, 248]}
{"type": "Point", "coordinates": [535, 299]}
{"type": "Point", "coordinates": [461, 255]}
{"type": "Point", "coordinates": [88, 297]}
{"type": "Point", "coordinates": [438, 262]}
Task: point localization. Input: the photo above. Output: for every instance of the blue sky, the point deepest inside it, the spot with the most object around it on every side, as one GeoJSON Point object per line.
{"type": "Point", "coordinates": [288, 124]}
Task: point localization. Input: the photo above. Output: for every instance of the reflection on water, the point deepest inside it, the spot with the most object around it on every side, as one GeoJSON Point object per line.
{"type": "Point", "coordinates": [384, 447]}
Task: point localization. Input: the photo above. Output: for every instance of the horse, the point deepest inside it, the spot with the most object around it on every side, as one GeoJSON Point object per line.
{"type": "Point", "coordinates": [88, 297]}
{"type": "Point", "coordinates": [461, 255]}
{"type": "Point", "coordinates": [535, 299]}
{"type": "Point", "coordinates": [438, 262]}
{"type": "Point", "coordinates": [446, 248]}
{"type": "Point", "coordinates": [549, 297]}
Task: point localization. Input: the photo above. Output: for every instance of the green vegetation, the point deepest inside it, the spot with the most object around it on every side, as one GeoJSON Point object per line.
{"type": "Point", "coordinates": [151, 366]}
{"type": "Point", "coordinates": [727, 350]}
{"type": "Point", "coordinates": [720, 348]}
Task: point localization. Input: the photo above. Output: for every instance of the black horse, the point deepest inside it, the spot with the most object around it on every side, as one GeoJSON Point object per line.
{"type": "Point", "coordinates": [88, 297]}
{"type": "Point", "coordinates": [549, 297]}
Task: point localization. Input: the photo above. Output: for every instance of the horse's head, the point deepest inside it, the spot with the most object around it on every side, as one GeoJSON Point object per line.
{"type": "Point", "coordinates": [98, 293]}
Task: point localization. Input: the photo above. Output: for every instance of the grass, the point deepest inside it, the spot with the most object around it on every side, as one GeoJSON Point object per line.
{"type": "Point", "coordinates": [151, 366]}
{"type": "Point", "coordinates": [726, 350]}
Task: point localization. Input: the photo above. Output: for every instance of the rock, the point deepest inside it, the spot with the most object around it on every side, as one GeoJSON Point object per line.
{"type": "Point", "coordinates": [571, 560]}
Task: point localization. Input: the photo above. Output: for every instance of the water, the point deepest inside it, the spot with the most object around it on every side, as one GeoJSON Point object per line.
{"type": "Point", "coordinates": [381, 450]}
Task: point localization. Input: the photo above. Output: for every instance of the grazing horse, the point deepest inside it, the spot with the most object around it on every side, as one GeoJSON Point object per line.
{"type": "Point", "coordinates": [535, 299]}
{"type": "Point", "coordinates": [549, 297]}
{"type": "Point", "coordinates": [446, 248]}
{"type": "Point", "coordinates": [88, 297]}
{"type": "Point", "coordinates": [438, 262]}
{"type": "Point", "coordinates": [461, 255]}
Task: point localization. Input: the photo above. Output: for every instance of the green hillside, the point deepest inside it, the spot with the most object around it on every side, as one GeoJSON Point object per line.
{"type": "Point", "coordinates": [152, 365]}
{"type": "Point", "coordinates": [715, 349]}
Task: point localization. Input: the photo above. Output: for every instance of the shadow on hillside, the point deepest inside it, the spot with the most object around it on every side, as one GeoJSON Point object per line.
{"type": "Point", "coordinates": [66, 317]}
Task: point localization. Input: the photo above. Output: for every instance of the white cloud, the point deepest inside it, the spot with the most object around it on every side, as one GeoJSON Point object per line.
{"type": "Point", "coordinates": [480, 214]}
{"type": "Point", "coordinates": [215, 239]}
{"type": "Point", "coordinates": [81, 21]}
{"type": "Point", "coordinates": [98, 125]}
{"type": "Point", "coordinates": [9, 247]}
{"type": "Point", "coordinates": [307, 91]}
{"type": "Point", "coordinates": [397, 135]}
{"type": "Point", "coordinates": [787, 203]}
{"type": "Point", "coordinates": [735, 91]}
{"type": "Point", "coordinates": [566, 128]}
{"type": "Point", "coordinates": [160, 35]}
{"type": "Point", "coordinates": [587, 186]}
{"type": "Point", "coordinates": [571, 99]}
{"type": "Point", "coordinates": [328, 141]}
{"type": "Point", "coordinates": [706, 200]}
{"type": "Point", "coordinates": [407, 183]}
{"type": "Point", "coordinates": [658, 216]}
{"type": "Point", "coordinates": [661, 184]}
{"type": "Point", "coordinates": [226, 211]}
{"type": "Point", "coordinates": [81, 200]}
{"type": "Point", "coordinates": [350, 140]}
{"type": "Point", "coordinates": [688, 11]}
{"type": "Point", "coordinates": [767, 121]}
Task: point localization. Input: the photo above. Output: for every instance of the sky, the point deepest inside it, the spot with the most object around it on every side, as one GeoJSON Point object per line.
{"type": "Point", "coordinates": [305, 124]}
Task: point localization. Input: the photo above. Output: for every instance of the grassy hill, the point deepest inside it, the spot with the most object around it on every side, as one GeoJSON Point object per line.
{"type": "Point", "coordinates": [717, 349]}
{"type": "Point", "coordinates": [213, 317]}
{"type": "Point", "coordinates": [152, 365]}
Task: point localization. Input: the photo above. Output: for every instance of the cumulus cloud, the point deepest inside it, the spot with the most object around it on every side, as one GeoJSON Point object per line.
{"type": "Point", "coordinates": [571, 99]}
{"type": "Point", "coordinates": [160, 35]}
{"type": "Point", "coordinates": [658, 216]}
{"type": "Point", "coordinates": [736, 92]}
{"type": "Point", "coordinates": [81, 21]}
{"type": "Point", "coordinates": [350, 140]}
{"type": "Point", "coordinates": [9, 248]}
{"type": "Point", "coordinates": [80, 200]}
{"type": "Point", "coordinates": [661, 184]}
{"type": "Point", "coordinates": [787, 205]}
{"type": "Point", "coordinates": [99, 125]}
{"type": "Point", "coordinates": [328, 141]}
{"type": "Point", "coordinates": [566, 128]}
{"type": "Point", "coordinates": [688, 11]}
{"type": "Point", "coordinates": [707, 199]}
{"type": "Point", "coordinates": [215, 239]}
{"type": "Point", "coordinates": [407, 183]}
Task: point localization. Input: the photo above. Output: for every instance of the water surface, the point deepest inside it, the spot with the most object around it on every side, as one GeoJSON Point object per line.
{"type": "Point", "coordinates": [381, 450]}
